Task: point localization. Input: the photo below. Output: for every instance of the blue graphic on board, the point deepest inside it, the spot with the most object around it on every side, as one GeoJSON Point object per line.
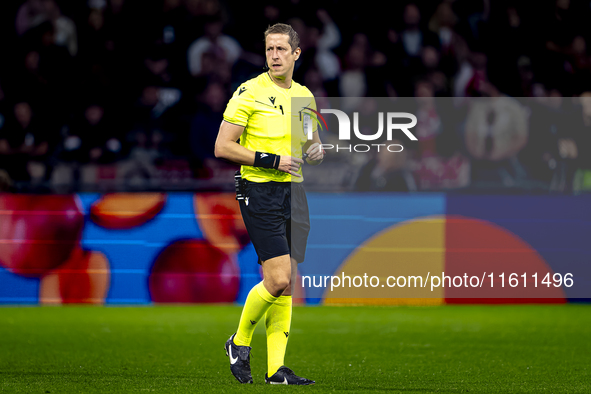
{"type": "Point", "coordinates": [131, 252]}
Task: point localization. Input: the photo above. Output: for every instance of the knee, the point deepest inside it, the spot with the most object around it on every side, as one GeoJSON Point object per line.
{"type": "Point", "coordinates": [278, 285]}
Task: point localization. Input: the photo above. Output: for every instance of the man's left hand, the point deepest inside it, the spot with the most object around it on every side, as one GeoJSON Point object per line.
{"type": "Point", "coordinates": [315, 153]}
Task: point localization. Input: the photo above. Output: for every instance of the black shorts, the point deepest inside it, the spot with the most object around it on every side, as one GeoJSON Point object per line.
{"type": "Point", "coordinates": [277, 219]}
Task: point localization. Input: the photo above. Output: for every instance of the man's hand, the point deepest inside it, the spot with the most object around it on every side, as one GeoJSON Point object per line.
{"type": "Point", "coordinates": [291, 165]}
{"type": "Point", "coordinates": [315, 153]}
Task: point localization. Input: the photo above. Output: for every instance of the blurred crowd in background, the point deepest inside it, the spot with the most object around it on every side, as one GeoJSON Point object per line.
{"type": "Point", "coordinates": [129, 94]}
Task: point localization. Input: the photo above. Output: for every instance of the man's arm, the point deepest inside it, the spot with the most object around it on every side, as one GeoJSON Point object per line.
{"type": "Point", "coordinates": [227, 148]}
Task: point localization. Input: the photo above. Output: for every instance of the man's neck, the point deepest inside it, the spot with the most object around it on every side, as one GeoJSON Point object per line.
{"type": "Point", "coordinates": [282, 83]}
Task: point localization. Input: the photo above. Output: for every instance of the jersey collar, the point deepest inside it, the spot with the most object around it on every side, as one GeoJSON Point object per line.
{"type": "Point", "coordinates": [277, 86]}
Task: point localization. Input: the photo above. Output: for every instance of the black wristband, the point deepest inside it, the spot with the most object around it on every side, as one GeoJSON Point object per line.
{"type": "Point", "coordinates": [266, 160]}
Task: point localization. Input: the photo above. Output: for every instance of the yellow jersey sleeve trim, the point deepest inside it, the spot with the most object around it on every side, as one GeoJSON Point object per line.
{"type": "Point", "coordinates": [225, 120]}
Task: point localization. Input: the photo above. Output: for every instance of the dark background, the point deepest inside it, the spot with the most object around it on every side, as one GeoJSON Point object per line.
{"type": "Point", "coordinates": [128, 94]}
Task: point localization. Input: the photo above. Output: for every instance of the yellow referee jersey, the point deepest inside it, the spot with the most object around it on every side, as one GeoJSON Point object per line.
{"type": "Point", "coordinates": [264, 109]}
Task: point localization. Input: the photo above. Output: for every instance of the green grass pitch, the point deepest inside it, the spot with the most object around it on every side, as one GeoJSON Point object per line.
{"type": "Point", "coordinates": [447, 349]}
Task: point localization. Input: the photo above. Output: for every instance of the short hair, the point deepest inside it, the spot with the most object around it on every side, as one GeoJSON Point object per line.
{"type": "Point", "coordinates": [282, 28]}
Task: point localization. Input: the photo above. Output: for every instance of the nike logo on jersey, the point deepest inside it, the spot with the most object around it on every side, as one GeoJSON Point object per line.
{"type": "Point", "coordinates": [272, 99]}
{"type": "Point", "coordinates": [242, 89]}
{"type": "Point", "coordinates": [232, 359]}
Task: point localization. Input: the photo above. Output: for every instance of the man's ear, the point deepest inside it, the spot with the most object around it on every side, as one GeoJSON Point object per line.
{"type": "Point", "coordinates": [298, 52]}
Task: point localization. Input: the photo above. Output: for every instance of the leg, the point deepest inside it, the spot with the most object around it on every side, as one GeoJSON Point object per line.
{"type": "Point", "coordinates": [278, 323]}
{"type": "Point", "coordinates": [278, 319]}
{"type": "Point", "coordinates": [276, 274]}
{"type": "Point", "coordinates": [265, 223]}
{"type": "Point", "coordinates": [266, 228]}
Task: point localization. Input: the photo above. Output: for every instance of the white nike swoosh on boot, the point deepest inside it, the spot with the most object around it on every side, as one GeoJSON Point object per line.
{"type": "Point", "coordinates": [232, 359]}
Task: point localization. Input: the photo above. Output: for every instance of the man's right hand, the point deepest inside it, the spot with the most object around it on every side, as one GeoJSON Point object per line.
{"type": "Point", "coordinates": [291, 165]}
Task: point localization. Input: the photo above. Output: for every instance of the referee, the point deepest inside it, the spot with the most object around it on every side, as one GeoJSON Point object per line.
{"type": "Point", "coordinates": [274, 208]}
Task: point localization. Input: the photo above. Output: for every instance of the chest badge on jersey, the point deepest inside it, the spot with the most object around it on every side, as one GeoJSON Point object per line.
{"type": "Point", "coordinates": [307, 129]}
{"type": "Point", "coordinates": [310, 118]}
{"type": "Point", "coordinates": [272, 99]}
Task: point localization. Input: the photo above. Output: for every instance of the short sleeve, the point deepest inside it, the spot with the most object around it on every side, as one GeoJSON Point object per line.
{"type": "Point", "coordinates": [240, 106]}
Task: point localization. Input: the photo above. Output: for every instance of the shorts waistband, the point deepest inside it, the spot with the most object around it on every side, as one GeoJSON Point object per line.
{"type": "Point", "coordinates": [270, 183]}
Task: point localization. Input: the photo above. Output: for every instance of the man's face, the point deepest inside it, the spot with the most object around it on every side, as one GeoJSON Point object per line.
{"type": "Point", "coordinates": [280, 57]}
